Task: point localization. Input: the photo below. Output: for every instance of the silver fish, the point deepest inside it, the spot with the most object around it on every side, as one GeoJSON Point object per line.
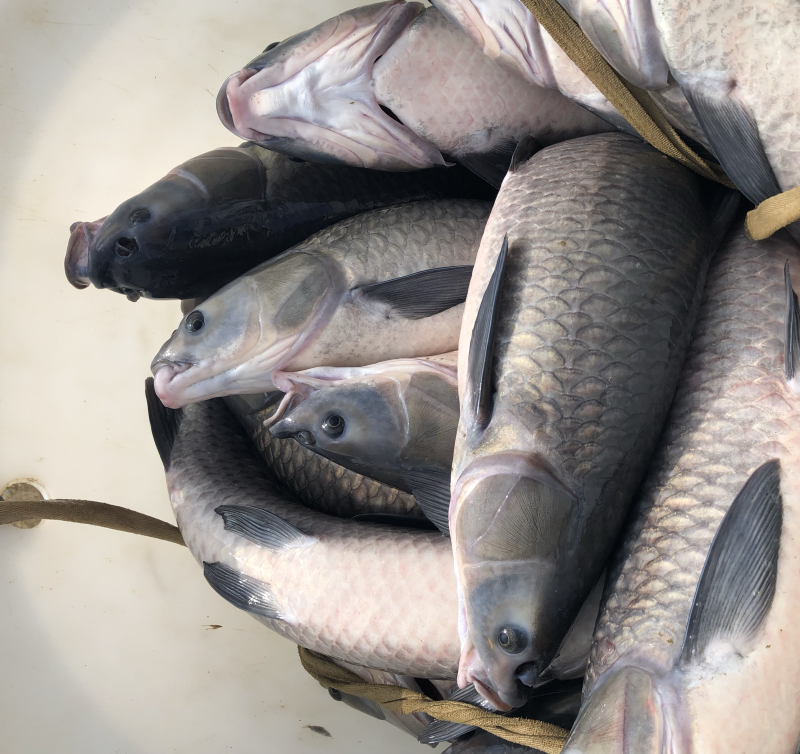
{"type": "Point", "coordinates": [313, 479]}
{"type": "Point", "coordinates": [323, 95]}
{"type": "Point", "coordinates": [696, 649]}
{"type": "Point", "coordinates": [736, 64]}
{"type": "Point", "coordinates": [375, 596]}
{"type": "Point", "coordinates": [394, 421]}
{"type": "Point", "coordinates": [385, 284]}
{"type": "Point", "coordinates": [508, 32]}
{"type": "Point", "coordinates": [573, 338]}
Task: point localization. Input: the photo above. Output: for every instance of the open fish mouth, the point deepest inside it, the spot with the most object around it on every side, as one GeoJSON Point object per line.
{"type": "Point", "coordinates": [311, 96]}
{"type": "Point", "coordinates": [76, 262]}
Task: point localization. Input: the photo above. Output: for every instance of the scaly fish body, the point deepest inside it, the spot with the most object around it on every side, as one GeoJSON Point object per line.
{"type": "Point", "coordinates": [322, 95]}
{"type": "Point", "coordinates": [395, 422]}
{"type": "Point", "coordinates": [220, 214]}
{"type": "Point", "coordinates": [313, 479]}
{"type": "Point", "coordinates": [734, 411]}
{"type": "Point", "coordinates": [607, 248]}
{"type": "Point", "coordinates": [370, 595]}
{"type": "Point", "coordinates": [736, 65]}
{"type": "Point", "coordinates": [384, 284]}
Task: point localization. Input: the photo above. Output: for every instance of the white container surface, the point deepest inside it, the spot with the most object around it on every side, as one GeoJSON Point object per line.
{"type": "Point", "coordinates": [106, 642]}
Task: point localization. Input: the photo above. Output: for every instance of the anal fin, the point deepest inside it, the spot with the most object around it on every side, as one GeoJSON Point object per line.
{"type": "Point", "coordinates": [737, 584]}
{"type": "Point", "coordinates": [733, 134]}
{"type": "Point", "coordinates": [242, 591]}
{"type": "Point", "coordinates": [261, 527]}
{"type": "Point", "coordinates": [422, 294]}
{"type": "Point", "coordinates": [164, 422]}
{"type": "Point", "coordinates": [481, 346]}
{"type": "Point", "coordinates": [791, 343]}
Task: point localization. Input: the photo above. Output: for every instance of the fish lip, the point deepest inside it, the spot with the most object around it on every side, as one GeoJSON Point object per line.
{"type": "Point", "coordinates": [76, 261]}
{"type": "Point", "coordinates": [164, 373]}
{"type": "Point", "coordinates": [490, 695]}
{"type": "Point", "coordinates": [224, 106]}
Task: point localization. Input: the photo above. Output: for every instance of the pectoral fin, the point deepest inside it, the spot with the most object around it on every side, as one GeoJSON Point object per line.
{"type": "Point", "coordinates": [422, 294]}
{"type": "Point", "coordinates": [164, 422]}
{"type": "Point", "coordinates": [527, 147]}
{"type": "Point", "coordinates": [261, 527]}
{"type": "Point", "coordinates": [480, 390]}
{"type": "Point", "coordinates": [733, 134]}
{"type": "Point", "coordinates": [441, 730]}
{"type": "Point", "coordinates": [737, 585]}
{"type": "Point", "coordinates": [242, 591]}
{"type": "Point", "coordinates": [431, 490]}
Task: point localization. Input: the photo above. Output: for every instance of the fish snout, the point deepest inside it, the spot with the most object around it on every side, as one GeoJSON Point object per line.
{"type": "Point", "coordinates": [166, 386]}
{"type": "Point", "coordinates": [76, 262]}
{"type": "Point", "coordinates": [233, 111]}
{"type": "Point", "coordinates": [287, 428]}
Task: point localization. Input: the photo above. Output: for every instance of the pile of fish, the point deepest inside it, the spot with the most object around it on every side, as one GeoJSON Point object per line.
{"type": "Point", "coordinates": [476, 392]}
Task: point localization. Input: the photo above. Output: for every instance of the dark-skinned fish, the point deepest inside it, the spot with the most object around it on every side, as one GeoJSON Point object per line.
{"type": "Point", "coordinates": [218, 215]}
{"type": "Point", "coordinates": [696, 649]}
{"type": "Point", "coordinates": [385, 284]}
{"type": "Point", "coordinates": [313, 479]}
{"type": "Point", "coordinates": [393, 87]}
{"type": "Point", "coordinates": [394, 421]}
{"type": "Point", "coordinates": [585, 291]}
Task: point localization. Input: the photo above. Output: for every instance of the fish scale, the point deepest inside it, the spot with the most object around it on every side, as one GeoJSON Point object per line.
{"type": "Point", "coordinates": [607, 248]}
{"type": "Point", "coordinates": [371, 595]}
{"type": "Point", "coordinates": [732, 412]}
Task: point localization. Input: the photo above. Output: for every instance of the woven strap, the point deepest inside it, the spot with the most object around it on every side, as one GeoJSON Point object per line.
{"type": "Point", "coordinates": [639, 109]}
{"type": "Point", "coordinates": [532, 733]}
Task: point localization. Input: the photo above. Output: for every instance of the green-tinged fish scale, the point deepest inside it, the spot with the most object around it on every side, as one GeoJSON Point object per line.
{"type": "Point", "coordinates": [733, 411]}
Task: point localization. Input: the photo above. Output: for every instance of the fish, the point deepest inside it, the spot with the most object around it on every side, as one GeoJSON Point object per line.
{"type": "Point", "coordinates": [484, 742]}
{"type": "Point", "coordinates": [389, 283]}
{"type": "Point", "coordinates": [394, 421]}
{"type": "Point", "coordinates": [391, 86]}
{"type": "Point", "coordinates": [735, 65]}
{"type": "Point", "coordinates": [218, 215]}
{"type": "Point", "coordinates": [695, 648]}
{"type": "Point", "coordinates": [508, 33]}
{"type": "Point", "coordinates": [314, 480]}
{"type": "Point", "coordinates": [374, 596]}
{"type": "Point", "coordinates": [586, 288]}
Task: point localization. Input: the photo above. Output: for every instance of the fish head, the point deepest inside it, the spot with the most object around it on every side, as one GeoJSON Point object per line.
{"type": "Point", "coordinates": [360, 420]}
{"type": "Point", "coordinates": [509, 521]}
{"type": "Point", "coordinates": [311, 96]}
{"type": "Point", "coordinates": [234, 340]}
{"type": "Point", "coordinates": [134, 250]}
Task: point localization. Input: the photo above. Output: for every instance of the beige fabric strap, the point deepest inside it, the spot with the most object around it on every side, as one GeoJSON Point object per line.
{"type": "Point", "coordinates": [89, 512]}
{"type": "Point", "coordinates": [639, 109]}
{"type": "Point", "coordinates": [533, 733]}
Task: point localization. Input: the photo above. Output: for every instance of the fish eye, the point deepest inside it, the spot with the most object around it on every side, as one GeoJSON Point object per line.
{"type": "Point", "coordinates": [140, 215]}
{"type": "Point", "coordinates": [335, 694]}
{"type": "Point", "coordinates": [195, 321]}
{"type": "Point", "coordinates": [333, 426]}
{"type": "Point", "coordinates": [512, 640]}
{"type": "Point", "coordinates": [126, 246]}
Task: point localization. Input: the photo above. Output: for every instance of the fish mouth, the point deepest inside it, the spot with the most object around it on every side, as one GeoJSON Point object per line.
{"type": "Point", "coordinates": [294, 99]}
{"type": "Point", "coordinates": [165, 374]}
{"type": "Point", "coordinates": [489, 694]}
{"type": "Point", "coordinates": [76, 262]}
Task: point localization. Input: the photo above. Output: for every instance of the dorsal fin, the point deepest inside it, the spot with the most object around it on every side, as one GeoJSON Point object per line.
{"type": "Point", "coordinates": [737, 584]}
{"type": "Point", "coordinates": [527, 147]}
{"type": "Point", "coordinates": [423, 294]}
{"type": "Point", "coordinates": [791, 343]}
{"type": "Point", "coordinates": [164, 422]}
{"type": "Point", "coordinates": [481, 346]}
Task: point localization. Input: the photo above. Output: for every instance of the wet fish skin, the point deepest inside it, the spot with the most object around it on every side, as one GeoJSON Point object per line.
{"type": "Point", "coordinates": [316, 481]}
{"type": "Point", "coordinates": [736, 66]}
{"type": "Point", "coordinates": [434, 74]}
{"type": "Point", "coordinates": [325, 302]}
{"type": "Point", "coordinates": [392, 55]}
{"type": "Point", "coordinates": [218, 215]}
{"type": "Point", "coordinates": [734, 411]}
{"type": "Point", "coordinates": [394, 421]}
{"type": "Point", "coordinates": [317, 585]}
{"type": "Point", "coordinates": [608, 245]}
